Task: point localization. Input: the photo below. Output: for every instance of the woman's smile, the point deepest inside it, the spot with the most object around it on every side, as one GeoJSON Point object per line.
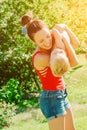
{"type": "Point", "coordinates": [43, 39]}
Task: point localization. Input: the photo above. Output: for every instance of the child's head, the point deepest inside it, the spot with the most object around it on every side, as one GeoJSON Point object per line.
{"type": "Point", "coordinates": [59, 62]}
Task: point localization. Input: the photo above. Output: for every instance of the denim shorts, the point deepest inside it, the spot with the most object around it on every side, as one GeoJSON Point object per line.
{"type": "Point", "coordinates": [54, 103]}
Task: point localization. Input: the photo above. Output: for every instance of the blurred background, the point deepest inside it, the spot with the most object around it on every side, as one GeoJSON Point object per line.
{"type": "Point", "coordinates": [19, 85]}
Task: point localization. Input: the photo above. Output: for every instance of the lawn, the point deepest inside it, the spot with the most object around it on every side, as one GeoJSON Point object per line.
{"type": "Point", "coordinates": [76, 83]}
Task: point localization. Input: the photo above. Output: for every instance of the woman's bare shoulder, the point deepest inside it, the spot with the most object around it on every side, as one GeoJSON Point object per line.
{"type": "Point", "coordinates": [41, 60]}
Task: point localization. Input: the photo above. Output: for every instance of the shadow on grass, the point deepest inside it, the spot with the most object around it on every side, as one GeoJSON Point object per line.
{"type": "Point", "coordinates": [76, 68]}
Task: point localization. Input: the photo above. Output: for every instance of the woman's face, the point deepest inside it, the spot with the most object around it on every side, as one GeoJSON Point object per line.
{"type": "Point", "coordinates": [43, 39]}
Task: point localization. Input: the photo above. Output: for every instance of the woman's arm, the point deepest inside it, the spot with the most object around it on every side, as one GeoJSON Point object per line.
{"type": "Point", "coordinates": [73, 39]}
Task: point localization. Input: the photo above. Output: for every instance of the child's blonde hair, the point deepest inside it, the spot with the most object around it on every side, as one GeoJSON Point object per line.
{"type": "Point", "coordinates": [59, 62]}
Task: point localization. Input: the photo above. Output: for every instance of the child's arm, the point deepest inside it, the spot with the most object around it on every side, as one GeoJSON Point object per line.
{"type": "Point", "coordinates": [73, 39]}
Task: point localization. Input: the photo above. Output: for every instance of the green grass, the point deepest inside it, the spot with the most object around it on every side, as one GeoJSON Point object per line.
{"type": "Point", "coordinates": [76, 83]}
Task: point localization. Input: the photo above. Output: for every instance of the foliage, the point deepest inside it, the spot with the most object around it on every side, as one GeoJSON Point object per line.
{"type": "Point", "coordinates": [12, 92]}
{"type": "Point", "coordinates": [17, 64]}
{"type": "Point", "coordinates": [16, 50]}
{"type": "Point", "coordinates": [7, 111]}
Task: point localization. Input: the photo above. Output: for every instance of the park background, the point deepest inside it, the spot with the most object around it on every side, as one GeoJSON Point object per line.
{"type": "Point", "coordinates": [19, 85]}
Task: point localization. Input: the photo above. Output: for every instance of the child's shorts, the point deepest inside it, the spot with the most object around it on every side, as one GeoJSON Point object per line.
{"type": "Point", "coordinates": [54, 103]}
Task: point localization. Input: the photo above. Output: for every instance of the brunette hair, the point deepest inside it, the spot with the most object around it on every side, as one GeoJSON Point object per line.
{"type": "Point", "coordinates": [32, 26]}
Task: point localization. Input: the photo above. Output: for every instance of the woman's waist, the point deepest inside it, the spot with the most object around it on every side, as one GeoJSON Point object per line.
{"type": "Point", "coordinates": [53, 88]}
{"type": "Point", "coordinates": [53, 85]}
{"type": "Point", "coordinates": [54, 93]}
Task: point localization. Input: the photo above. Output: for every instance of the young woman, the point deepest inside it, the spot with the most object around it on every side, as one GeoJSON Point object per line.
{"type": "Point", "coordinates": [53, 100]}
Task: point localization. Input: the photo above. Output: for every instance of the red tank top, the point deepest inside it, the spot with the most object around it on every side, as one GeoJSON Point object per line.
{"type": "Point", "coordinates": [49, 82]}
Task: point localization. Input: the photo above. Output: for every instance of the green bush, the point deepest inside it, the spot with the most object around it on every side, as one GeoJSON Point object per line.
{"type": "Point", "coordinates": [12, 92]}
{"type": "Point", "coordinates": [7, 111]}
{"type": "Point", "coordinates": [17, 64]}
{"type": "Point", "coordinates": [16, 50]}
